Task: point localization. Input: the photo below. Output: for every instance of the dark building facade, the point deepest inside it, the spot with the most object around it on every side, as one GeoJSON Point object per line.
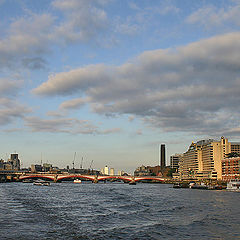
{"type": "Point", "coordinates": [15, 161]}
{"type": "Point", "coordinates": [163, 156]}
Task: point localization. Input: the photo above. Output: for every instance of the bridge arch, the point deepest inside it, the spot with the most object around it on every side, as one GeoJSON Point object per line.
{"type": "Point", "coordinates": [137, 179]}
{"type": "Point", "coordinates": [74, 176]}
{"type": "Point", "coordinates": [36, 177]}
{"type": "Point", "coordinates": [103, 178]}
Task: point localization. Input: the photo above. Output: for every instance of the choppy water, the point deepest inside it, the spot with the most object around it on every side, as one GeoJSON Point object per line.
{"type": "Point", "coordinates": [116, 211]}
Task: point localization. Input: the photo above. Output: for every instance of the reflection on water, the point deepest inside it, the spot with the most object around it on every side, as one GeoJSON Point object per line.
{"type": "Point", "coordinates": [116, 211]}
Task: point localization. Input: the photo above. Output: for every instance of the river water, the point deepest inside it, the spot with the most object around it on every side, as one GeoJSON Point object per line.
{"type": "Point", "coordinates": [116, 211]}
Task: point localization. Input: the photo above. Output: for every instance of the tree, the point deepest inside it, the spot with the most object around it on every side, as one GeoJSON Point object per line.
{"type": "Point", "coordinates": [232, 155]}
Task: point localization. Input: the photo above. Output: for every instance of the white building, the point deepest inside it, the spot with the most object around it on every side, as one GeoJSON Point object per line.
{"type": "Point", "coordinates": [106, 170]}
{"type": "Point", "coordinates": [111, 171]}
{"type": "Point", "coordinates": [174, 160]}
{"type": "Point", "coordinates": [120, 173]}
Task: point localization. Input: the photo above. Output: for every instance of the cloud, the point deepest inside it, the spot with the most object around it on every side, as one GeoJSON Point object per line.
{"type": "Point", "coordinates": [8, 87]}
{"type": "Point", "coordinates": [84, 20]}
{"type": "Point", "coordinates": [26, 40]}
{"type": "Point", "coordinates": [10, 110]}
{"type": "Point", "coordinates": [73, 103]}
{"type": "Point", "coordinates": [77, 79]}
{"type": "Point", "coordinates": [191, 88]}
{"type": "Point", "coordinates": [211, 16]}
{"type": "Point", "coordinates": [131, 118]}
{"type": "Point", "coordinates": [34, 63]}
{"type": "Point", "coordinates": [143, 17]}
{"type": "Point", "coordinates": [65, 125]}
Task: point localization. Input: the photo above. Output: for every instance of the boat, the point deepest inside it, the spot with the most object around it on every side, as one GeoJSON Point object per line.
{"type": "Point", "coordinates": [215, 187]}
{"type": "Point", "coordinates": [27, 181]}
{"type": "Point", "coordinates": [198, 186]}
{"type": "Point", "coordinates": [180, 185]}
{"type": "Point", "coordinates": [233, 185]}
{"type": "Point", "coordinates": [41, 183]}
{"type": "Point", "coordinates": [77, 181]}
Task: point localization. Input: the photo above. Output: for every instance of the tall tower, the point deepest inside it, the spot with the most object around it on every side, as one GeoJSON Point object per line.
{"type": "Point", "coordinates": [163, 156]}
{"type": "Point", "coordinates": [15, 161]}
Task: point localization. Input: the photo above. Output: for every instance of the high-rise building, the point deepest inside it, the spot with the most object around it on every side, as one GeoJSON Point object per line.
{"type": "Point", "coordinates": [204, 159]}
{"type": "Point", "coordinates": [174, 160]}
{"type": "Point", "coordinates": [106, 170]}
{"type": "Point", "coordinates": [111, 171]}
{"type": "Point", "coordinates": [231, 168]}
{"type": "Point", "coordinates": [235, 147]}
{"type": "Point", "coordinates": [14, 161]}
{"type": "Point", "coordinates": [120, 173]}
{"type": "Point", "coordinates": [163, 156]}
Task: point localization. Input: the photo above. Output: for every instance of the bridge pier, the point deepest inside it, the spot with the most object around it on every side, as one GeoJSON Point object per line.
{"type": "Point", "coordinates": [95, 179]}
{"type": "Point", "coordinates": [132, 182]}
{"type": "Point", "coordinates": [17, 178]}
{"type": "Point", "coordinates": [55, 178]}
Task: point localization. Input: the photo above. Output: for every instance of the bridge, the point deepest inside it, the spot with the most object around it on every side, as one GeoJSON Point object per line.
{"type": "Point", "coordinates": [94, 178]}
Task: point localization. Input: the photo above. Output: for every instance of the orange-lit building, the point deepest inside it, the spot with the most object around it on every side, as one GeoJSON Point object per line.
{"type": "Point", "coordinates": [230, 168]}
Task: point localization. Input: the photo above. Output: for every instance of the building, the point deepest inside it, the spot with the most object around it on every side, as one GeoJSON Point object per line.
{"type": "Point", "coordinates": [148, 171]}
{"type": "Point", "coordinates": [174, 160]}
{"type": "Point", "coordinates": [14, 161]}
{"type": "Point", "coordinates": [163, 156]}
{"type": "Point", "coordinates": [47, 167]}
{"type": "Point", "coordinates": [36, 168]}
{"type": "Point", "coordinates": [142, 171]}
{"type": "Point", "coordinates": [111, 171]}
{"type": "Point", "coordinates": [203, 160]}
{"type": "Point", "coordinates": [231, 168]}
{"type": "Point", "coordinates": [1, 164]}
{"type": "Point", "coordinates": [120, 173]}
{"type": "Point", "coordinates": [106, 170]}
{"type": "Point", "coordinates": [12, 164]}
{"type": "Point", "coordinates": [155, 171]}
{"type": "Point", "coordinates": [235, 147]}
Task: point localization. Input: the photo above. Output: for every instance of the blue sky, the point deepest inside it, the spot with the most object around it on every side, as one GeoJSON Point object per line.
{"type": "Point", "coordinates": [113, 79]}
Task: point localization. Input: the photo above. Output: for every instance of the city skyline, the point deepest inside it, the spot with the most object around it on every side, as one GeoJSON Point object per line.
{"type": "Point", "coordinates": [112, 80]}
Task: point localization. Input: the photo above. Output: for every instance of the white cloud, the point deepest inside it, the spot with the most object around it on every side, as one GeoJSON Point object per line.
{"type": "Point", "coordinates": [8, 87]}
{"type": "Point", "coordinates": [190, 88]}
{"type": "Point", "coordinates": [11, 110]}
{"type": "Point", "coordinates": [65, 125]}
{"type": "Point", "coordinates": [27, 38]}
{"type": "Point", "coordinates": [73, 103]}
{"type": "Point", "coordinates": [212, 16]}
{"type": "Point", "coordinates": [84, 20]}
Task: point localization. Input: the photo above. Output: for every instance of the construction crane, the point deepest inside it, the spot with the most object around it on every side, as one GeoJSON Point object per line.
{"type": "Point", "coordinates": [91, 164]}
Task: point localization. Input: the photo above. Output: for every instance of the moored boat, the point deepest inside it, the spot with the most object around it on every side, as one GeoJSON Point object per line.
{"type": "Point", "coordinates": [198, 186]}
{"type": "Point", "coordinates": [41, 183]}
{"type": "Point", "coordinates": [180, 185]}
{"type": "Point", "coordinates": [27, 181]}
{"type": "Point", "coordinates": [77, 180]}
{"type": "Point", "coordinates": [233, 185]}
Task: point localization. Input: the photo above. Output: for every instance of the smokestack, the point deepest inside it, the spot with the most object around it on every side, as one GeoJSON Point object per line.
{"type": "Point", "coordinates": [163, 156]}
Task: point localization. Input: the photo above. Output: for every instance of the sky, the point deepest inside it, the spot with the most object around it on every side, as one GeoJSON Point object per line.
{"type": "Point", "coordinates": [113, 79]}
